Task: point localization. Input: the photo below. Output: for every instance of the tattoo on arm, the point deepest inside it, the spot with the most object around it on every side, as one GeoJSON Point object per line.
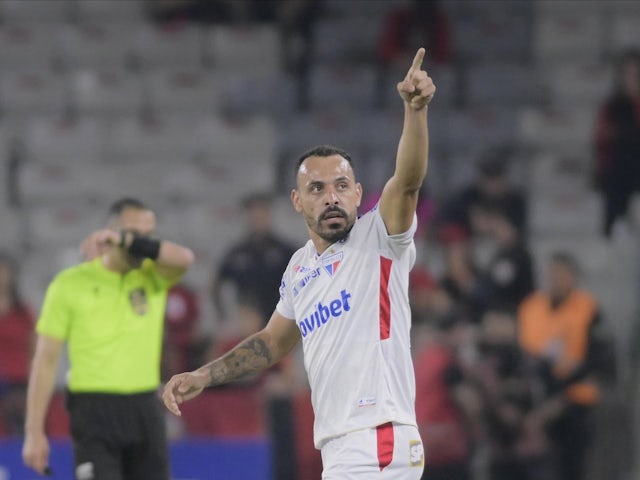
{"type": "Point", "coordinates": [251, 356]}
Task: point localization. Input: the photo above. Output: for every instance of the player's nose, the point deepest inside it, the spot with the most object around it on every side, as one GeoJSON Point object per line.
{"type": "Point", "coordinates": [331, 198]}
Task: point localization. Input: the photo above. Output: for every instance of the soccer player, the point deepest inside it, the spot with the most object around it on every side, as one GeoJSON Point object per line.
{"type": "Point", "coordinates": [345, 295]}
{"type": "Point", "coordinates": [110, 312]}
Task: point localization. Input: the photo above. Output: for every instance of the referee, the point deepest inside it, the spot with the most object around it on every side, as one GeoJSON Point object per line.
{"type": "Point", "coordinates": [109, 310]}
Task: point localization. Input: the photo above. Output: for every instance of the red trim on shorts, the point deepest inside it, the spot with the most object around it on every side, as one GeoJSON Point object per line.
{"type": "Point", "coordinates": [385, 302]}
{"type": "Point", "coordinates": [385, 444]}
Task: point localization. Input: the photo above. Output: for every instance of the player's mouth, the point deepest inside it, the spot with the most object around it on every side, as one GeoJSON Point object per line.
{"type": "Point", "coordinates": [333, 214]}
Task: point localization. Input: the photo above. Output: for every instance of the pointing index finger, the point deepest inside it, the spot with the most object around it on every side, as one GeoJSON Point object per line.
{"type": "Point", "coordinates": [417, 60]}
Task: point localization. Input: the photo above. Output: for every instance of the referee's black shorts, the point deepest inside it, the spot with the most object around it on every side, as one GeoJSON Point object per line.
{"type": "Point", "coordinates": [118, 437]}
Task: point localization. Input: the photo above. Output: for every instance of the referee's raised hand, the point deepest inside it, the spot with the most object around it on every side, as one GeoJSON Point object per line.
{"type": "Point", "coordinates": [99, 242]}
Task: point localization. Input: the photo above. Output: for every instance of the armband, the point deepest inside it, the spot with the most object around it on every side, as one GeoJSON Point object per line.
{"type": "Point", "coordinates": [144, 247]}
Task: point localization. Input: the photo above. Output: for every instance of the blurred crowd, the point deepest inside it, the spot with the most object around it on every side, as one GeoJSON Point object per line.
{"type": "Point", "coordinates": [510, 369]}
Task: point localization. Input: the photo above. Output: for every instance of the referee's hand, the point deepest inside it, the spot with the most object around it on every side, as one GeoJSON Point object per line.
{"type": "Point", "coordinates": [183, 387]}
{"type": "Point", "coordinates": [99, 242]}
{"type": "Point", "coordinates": [35, 452]}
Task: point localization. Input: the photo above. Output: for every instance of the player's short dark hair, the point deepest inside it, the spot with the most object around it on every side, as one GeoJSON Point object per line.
{"type": "Point", "coordinates": [323, 151]}
{"type": "Point", "coordinates": [117, 207]}
{"type": "Point", "coordinates": [564, 258]}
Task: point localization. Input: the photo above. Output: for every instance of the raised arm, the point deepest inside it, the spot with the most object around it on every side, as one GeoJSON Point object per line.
{"type": "Point", "coordinates": [172, 260]}
{"type": "Point", "coordinates": [400, 195]}
{"type": "Point", "coordinates": [254, 354]}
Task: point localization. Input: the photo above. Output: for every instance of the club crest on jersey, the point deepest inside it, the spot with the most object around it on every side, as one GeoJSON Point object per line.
{"type": "Point", "coordinates": [138, 300]}
{"type": "Point", "coordinates": [332, 263]}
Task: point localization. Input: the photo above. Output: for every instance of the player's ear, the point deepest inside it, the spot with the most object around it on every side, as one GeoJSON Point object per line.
{"type": "Point", "coordinates": [295, 200]}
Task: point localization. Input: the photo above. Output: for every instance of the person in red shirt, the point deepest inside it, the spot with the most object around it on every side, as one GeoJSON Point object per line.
{"type": "Point", "coordinates": [617, 141]}
{"type": "Point", "coordinates": [16, 336]}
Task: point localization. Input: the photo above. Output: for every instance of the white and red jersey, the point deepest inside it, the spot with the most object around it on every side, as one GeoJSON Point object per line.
{"type": "Point", "coordinates": [352, 308]}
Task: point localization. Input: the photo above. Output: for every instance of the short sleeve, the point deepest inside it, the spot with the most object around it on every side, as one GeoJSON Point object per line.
{"type": "Point", "coordinates": [285, 304]}
{"type": "Point", "coordinates": [55, 316]}
{"type": "Point", "coordinates": [397, 243]}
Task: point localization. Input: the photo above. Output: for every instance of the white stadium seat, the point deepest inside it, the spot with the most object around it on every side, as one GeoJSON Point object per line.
{"type": "Point", "coordinates": [96, 45]}
{"type": "Point", "coordinates": [171, 46]}
{"type": "Point", "coordinates": [106, 92]}
{"type": "Point", "coordinates": [251, 49]}
{"type": "Point", "coordinates": [164, 139]}
{"type": "Point", "coordinates": [476, 129]}
{"type": "Point", "coordinates": [57, 140]}
{"type": "Point", "coordinates": [577, 83]}
{"type": "Point", "coordinates": [624, 29]}
{"type": "Point", "coordinates": [576, 213]}
{"type": "Point", "coordinates": [183, 90]}
{"type": "Point", "coordinates": [27, 45]}
{"type": "Point", "coordinates": [503, 84]}
{"type": "Point", "coordinates": [561, 129]}
{"type": "Point", "coordinates": [571, 33]}
{"type": "Point", "coordinates": [498, 36]}
{"type": "Point", "coordinates": [32, 91]}
{"type": "Point", "coordinates": [336, 85]}
{"type": "Point", "coordinates": [36, 11]}
{"type": "Point", "coordinates": [128, 11]}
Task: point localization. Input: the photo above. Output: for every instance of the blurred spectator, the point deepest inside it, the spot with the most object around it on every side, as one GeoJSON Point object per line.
{"type": "Point", "coordinates": [460, 277]}
{"type": "Point", "coordinates": [617, 141]}
{"type": "Point", "coordinates": [491, 186]}
{"type": "Point", "coordinates": [508, 278]}
{"type": "Point", "coordinates": [509, 388]}
{"type": "Point", "coordinates": [419, 22]}
{"type": "Point", "coordinates": [444, 432]}
{"type": "Point", "coordinates": [254, 266]}
{"type": "Point", "coordinates": [557, 327]}
{"type": "Point", "coordinates": [181, 321]}
{"type": "Point", "coordinates": [17, 322]}
{"type": "Point", "coordinates": [296, 20]}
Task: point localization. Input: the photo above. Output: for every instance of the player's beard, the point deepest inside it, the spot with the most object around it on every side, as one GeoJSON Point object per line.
{"type": "Point", "coordinates": [332, 232]}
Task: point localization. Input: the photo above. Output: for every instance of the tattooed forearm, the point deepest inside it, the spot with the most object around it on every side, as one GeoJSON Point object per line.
{"type": "Point", "coordinates": [251, 356]}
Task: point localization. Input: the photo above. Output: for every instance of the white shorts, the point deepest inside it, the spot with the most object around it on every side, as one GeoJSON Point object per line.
{"type": "Point", "coordinates": [388, 452]}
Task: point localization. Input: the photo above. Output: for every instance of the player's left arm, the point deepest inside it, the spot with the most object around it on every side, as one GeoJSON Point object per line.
{"type": "Point", "coordinates": [400, 195]}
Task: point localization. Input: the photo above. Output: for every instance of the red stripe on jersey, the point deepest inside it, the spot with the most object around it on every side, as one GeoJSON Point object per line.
{"type": "Point", "coordinates": [385, 303]}
{"type": "Point", "coordinates": [385, 444]}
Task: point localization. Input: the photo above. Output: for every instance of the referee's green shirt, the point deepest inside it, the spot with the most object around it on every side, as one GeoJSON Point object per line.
{"type": "Point", "coordinates": [113, 325]}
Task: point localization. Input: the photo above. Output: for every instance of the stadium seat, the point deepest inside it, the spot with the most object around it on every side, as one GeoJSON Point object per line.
{"type": "Point", "coordinates": [555, 173]}
{"type": "Point", "coordinates": [27, 45]}
{"type": "Point", "coordinates": [274, 94]}
{"type": "Point", "coordinates": [251, 49]}
{"type": "Point", "coordinates": [183, 91]}
{"type": "Point", "coordinates": [91, 11]}
{"type": "Point", "coordinates": [475, 129]}
{"type": "Point", "coordinates": [166, 140]}
{"type": "Point", "coordinates": [504, 84]}
{"type": "Point", "coordinates": [498, 36]}
{"type": "Point", "coordinates": [34, 11]}
{"type": "Point", "coordinates": [336, 85]}
{"type": "Point", "coordinates": [32, 91]}
{"type": "Point", "coordinates": [576, 213]}
{"type": "Point", "coordinates": [170, 46]}
{"type": "Point", "coordinates": [62, 224]}
{"type": "Point", "coordinates": [96, 45]}
{"type": "Point", "coordinates": [347, 39]}
{"type": "Point", "coordinates": [576, 83]}
{"type": "Point", "coordinates": [570, 33]}
{"type": "Point", "coordinates": [244, 139]}
{"type": "Point", "coordinates": [52, 140]}
{"type": "Point", "coordinates": [562, 128]}
{"type": "Point", "coordinates": [334, 127]}
{"type": "Point", "coordinates": [107, 92]}
{"type": "Point", "coordinates": [624, 30]}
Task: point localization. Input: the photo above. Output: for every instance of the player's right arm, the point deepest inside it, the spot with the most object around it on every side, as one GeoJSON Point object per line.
{"type": "Point", "coordinates": [35, 450]}
{"type": "Point", "coordinates": [254, 354]}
